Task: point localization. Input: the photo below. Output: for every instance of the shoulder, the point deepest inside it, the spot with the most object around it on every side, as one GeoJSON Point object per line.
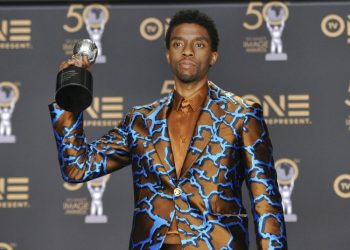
{"type": "Point", "coordinates": [234, 103]}
{"type": "Point", "coordinates": [244, 112]}
{"type": "Point", "coordinates": [147, 109]}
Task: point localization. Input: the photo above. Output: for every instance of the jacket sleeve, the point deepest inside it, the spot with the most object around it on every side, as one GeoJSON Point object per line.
{"type": "Point", "coordinates": [81, 161]}
{"type": "Point", "coordinates": [261, 181]}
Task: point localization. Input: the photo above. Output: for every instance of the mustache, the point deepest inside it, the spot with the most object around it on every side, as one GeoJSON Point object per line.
{"type": "Point", "coordinates": [187, 61]}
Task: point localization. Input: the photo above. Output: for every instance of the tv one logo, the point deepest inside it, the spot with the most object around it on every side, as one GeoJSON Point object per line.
{"type": "Point", "coordinates": [334, 26]}
{"type": "Point", "coordinates": [341, 186]}
{"type": "Point", "coordinates": [15, 34]}
{"type": "Point", "coordinates": [14, 192]}
{"type": "Point", "coordinates": [152, 28]}
{"type": "Point", "coordinates": [292, 109]}
{"type": "Point", "coordinates": [105, 111]}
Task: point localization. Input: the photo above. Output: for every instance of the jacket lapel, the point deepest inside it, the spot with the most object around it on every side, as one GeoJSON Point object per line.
{"type": "Point", "coordinates": [158, 127]}
{"type": "Point", "coordinates": [207, 125]}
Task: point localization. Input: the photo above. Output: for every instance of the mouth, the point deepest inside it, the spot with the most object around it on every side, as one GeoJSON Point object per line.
{"type": "Point", "coordinates": [186, 64]}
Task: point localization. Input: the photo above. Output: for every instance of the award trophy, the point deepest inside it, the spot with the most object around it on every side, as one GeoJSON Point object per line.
{"type": "Point", "coordinates": [96, 188]}
{"type": "Point", "coordinates": [275, 15]}
{"type": "Point", "coordinates": [9, 95]}
{"type": "Point", "coordinates": [74, 84]}
{"type": "Point", "coordinates": [95, 18]}
{"type": "Point", "coordinates": [287, 173]}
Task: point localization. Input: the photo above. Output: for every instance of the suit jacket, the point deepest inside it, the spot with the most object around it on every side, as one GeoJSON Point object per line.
{"type": "Point", "coordinates": [230, 144]}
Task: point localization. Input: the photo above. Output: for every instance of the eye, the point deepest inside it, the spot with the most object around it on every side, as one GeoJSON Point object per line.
{"type": "Point", "coordinates": [177, 44]}
{"type": "Point", "coordinates": [200, 45]}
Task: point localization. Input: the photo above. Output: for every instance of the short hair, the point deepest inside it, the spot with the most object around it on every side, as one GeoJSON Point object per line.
{"type": "Point", "coordinates": [197, 17]}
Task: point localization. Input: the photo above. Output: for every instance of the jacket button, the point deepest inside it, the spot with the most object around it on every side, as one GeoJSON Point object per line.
{"type": "Point", "coordinates": [177, 191]}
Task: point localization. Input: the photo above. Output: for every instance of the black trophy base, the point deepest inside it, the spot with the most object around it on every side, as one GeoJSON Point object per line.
{"type": "Point", "coordinates": [74, 89]}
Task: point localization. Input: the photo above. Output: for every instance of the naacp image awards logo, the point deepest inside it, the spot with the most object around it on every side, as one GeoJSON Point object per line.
{"type": "Point", "coordinates": [9, 95]}
{"type": "Point", "coordinates": [275, 14]}
{"type": "Point", "coordinates": [94, 17]}
{"type": "Point", "coordinates": [287, 173]}
{"type": "Point", "coordinates": [96, 188]}
{"type": "Point", "coordinates": [93, 210]}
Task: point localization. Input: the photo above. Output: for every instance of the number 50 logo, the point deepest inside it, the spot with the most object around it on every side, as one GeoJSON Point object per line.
{"type": "Point", "coordinates": [79, 13]}
{"type": "Point", "coordinates": [5, 246]}
{"type": "Point", "coordinates": [258, 10]}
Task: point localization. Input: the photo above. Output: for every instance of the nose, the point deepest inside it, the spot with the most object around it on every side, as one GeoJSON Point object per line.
{"type": "Point", "coordinates": [187, 51]}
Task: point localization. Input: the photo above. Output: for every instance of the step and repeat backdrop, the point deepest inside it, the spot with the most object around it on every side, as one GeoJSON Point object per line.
{"type": "Point", "coordinates": [294, 59]}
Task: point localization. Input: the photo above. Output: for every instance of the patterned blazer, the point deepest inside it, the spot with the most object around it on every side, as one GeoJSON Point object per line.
{"type": "Point", "coordinates": [230, 144]}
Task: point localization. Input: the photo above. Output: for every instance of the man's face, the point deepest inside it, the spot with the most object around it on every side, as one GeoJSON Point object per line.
{"type": "Point", "coordinates": [190, 54]}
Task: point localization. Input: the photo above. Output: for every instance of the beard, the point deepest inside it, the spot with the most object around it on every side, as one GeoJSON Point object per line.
{"type": "Point", "coordinates": [188, 78]}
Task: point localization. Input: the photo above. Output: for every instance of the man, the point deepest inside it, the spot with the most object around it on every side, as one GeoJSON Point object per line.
{"type": "Point", "coordinates": [190, 153]}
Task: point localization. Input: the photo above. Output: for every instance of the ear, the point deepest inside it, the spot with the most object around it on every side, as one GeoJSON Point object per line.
{"type": "Point", "coordinates": [167, 56]}
{"type": "Point", "coordinates": [213, 58]}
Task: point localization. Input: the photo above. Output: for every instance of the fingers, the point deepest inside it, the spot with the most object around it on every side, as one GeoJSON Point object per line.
{"type": "Point", "coordinates": [76, 60]}
{"type": "Point", "coordinates": [85, 60]}
{"type": "Point", "coordinates": [81, 61]}
{"type": "Point", "coordinates": [86, 63]}
{"type": "Point", "coordinates": [64, 65]}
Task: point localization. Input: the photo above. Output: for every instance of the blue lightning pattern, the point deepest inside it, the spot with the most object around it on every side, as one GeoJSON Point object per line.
{"type": "Point", "coordinates": [225, 150]}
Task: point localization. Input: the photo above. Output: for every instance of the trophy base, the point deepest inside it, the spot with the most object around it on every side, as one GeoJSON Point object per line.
{"type": "Point", "coordinates": [276, 57]}
{"type": "Point", "coordinates": [290, 217]}
{"type": "Point", "coordinates": [101, 59]}
{"type": "Point", "coordinates": [96, 219]}
{"type": "Point", "coordinates": [8, 139]}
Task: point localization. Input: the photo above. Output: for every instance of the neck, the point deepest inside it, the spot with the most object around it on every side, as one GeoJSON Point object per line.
{"type": "Point", "coordinates": [188, 89]}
